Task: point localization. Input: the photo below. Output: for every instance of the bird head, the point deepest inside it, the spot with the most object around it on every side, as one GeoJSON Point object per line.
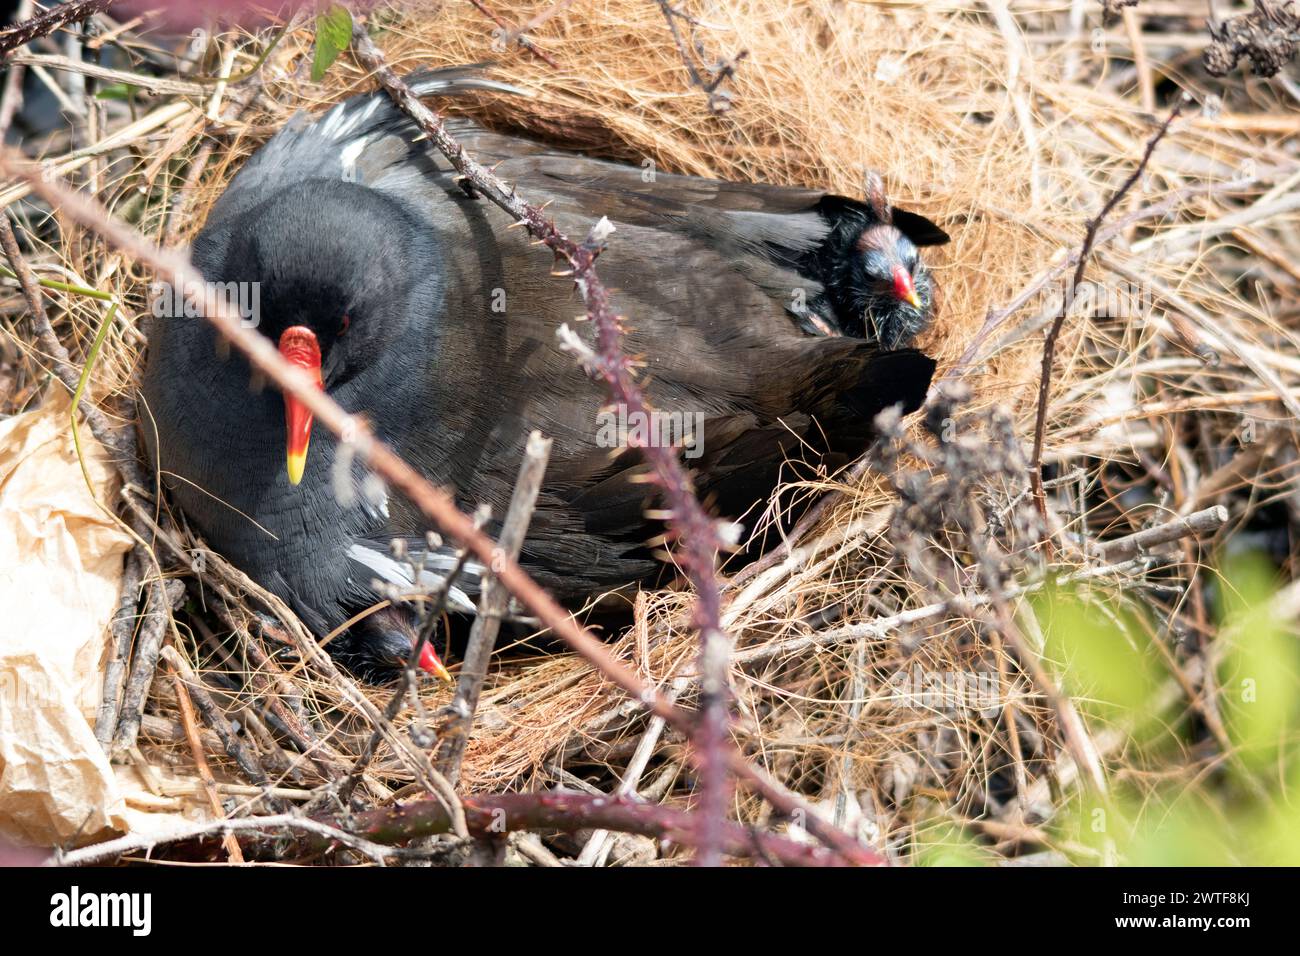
{"type": "Point", "coordinates": [891, 286]}
{"type": "Point", "coordinates": [888, 283]}
{"type": "Point", "coordinates": [378, 646]}
{"type": "Point", "coordinates": [335, 288]}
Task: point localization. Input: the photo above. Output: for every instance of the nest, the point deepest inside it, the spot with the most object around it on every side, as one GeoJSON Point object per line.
{"type": "Point", "coordinates": [1011, 134]}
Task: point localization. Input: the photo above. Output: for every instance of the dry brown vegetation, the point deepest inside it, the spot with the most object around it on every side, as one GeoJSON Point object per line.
{"type": "Point", "coordinates": [1176, 390]}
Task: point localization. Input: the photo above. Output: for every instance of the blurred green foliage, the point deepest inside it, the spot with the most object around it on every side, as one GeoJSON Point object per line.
{"type": "Point", "coordinates": [1180, 798]}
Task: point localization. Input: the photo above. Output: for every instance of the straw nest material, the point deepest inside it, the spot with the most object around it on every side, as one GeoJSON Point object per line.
{"type": "Point", "coordinates": [1010, 128]}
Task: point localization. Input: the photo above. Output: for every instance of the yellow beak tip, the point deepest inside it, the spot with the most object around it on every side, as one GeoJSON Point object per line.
{"type": "Point", "coordinates": [296, 464]}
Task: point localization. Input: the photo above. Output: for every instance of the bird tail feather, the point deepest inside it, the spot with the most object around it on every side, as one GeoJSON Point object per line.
{"type": "Point", "coordinates": [451, 80]}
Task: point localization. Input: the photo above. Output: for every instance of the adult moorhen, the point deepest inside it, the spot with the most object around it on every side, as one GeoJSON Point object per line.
{"type": "Point", "coordinates": [417, 306]}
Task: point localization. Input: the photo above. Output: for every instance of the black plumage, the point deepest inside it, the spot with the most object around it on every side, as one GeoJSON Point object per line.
{"type": "Point", "coordinates": [439, 324]}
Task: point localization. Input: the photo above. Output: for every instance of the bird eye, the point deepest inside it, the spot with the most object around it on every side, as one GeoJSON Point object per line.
{"type": "Point", "coordinates": [344, 323]}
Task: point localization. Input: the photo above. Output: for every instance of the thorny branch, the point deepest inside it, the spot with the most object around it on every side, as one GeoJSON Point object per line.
{"type": "Point", "coordinates": [489, 817]}
{"type": "Point", "coordinates": [44, 24]}
{"type": "Point", "coordinates": [699, 536]}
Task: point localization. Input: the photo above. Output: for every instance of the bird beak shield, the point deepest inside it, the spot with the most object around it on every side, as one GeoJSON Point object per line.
{"type": "Point", "coordinates": [905, 288]}
{"type": "Point", "coordinates": [299, 347]}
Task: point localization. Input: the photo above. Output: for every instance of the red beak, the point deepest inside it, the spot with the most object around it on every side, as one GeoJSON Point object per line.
{"type": "Point", "coordinates": [430, 664]}
{"type": "Point", "coordinates": [299, 347]}
{"type": "Point", "coordinates": [905, 288]}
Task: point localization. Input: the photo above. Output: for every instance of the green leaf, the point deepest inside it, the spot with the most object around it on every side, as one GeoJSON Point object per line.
{"type": "Point", "coordinates": [333, 34]}
{"type": "Point", "coordinates": [117, 91]}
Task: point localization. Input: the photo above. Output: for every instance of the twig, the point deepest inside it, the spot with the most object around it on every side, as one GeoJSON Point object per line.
{"type": "Point", "coordinates": [489, 816]}
{"type": "Point", "coordinates": [530, 847]}
{"type": "Point", "coordinates": [153, 84]}
{"type": "Point", "coordinates": [1054, 333]}
{"type": "Point", "coordinates": [163, 597]}
{"type": "Point", "coordinates": [46, 23]}
{"type": "Point", "coordinates": [123, 629]}
{"type": "Point", "coordinates": [566, 811]}
{"type": "Point", "coordinates": [1193, 525]}
{"type": "Point", "coordinates": [508, 34]}
{"type": "Point", "coordinates": [233, 852]}
{"type": "Point", "coordinates": [598, 843]}
{"type": "Point", "coordinates": [434, 612]}
{"type": "Point", "coordinates": [492, 605]}
{"type": "Point", "coordinates": [12, 100]}
{"type": "Point", "coordinates": [215, 719]}
{"type": "Point", "coordinates": [719, 101]}
{"type": "Point", "coordinates": [265, 826]}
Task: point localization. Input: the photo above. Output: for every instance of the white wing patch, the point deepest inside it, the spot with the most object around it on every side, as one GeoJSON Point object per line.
{"type": "Point", "coordinates": [349, 156]}
{"type": "Point", "coordinates": [342, 120]}
{"type": "Point", "coordinates": [433, 573]}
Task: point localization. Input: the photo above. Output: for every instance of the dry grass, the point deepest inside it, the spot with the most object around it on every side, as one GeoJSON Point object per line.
{"type": "Point", "coordinates": [918, 91]}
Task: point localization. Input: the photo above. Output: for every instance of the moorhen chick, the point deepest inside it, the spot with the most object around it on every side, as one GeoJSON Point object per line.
{"type": "Point", "coordinates": [419, 307]}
